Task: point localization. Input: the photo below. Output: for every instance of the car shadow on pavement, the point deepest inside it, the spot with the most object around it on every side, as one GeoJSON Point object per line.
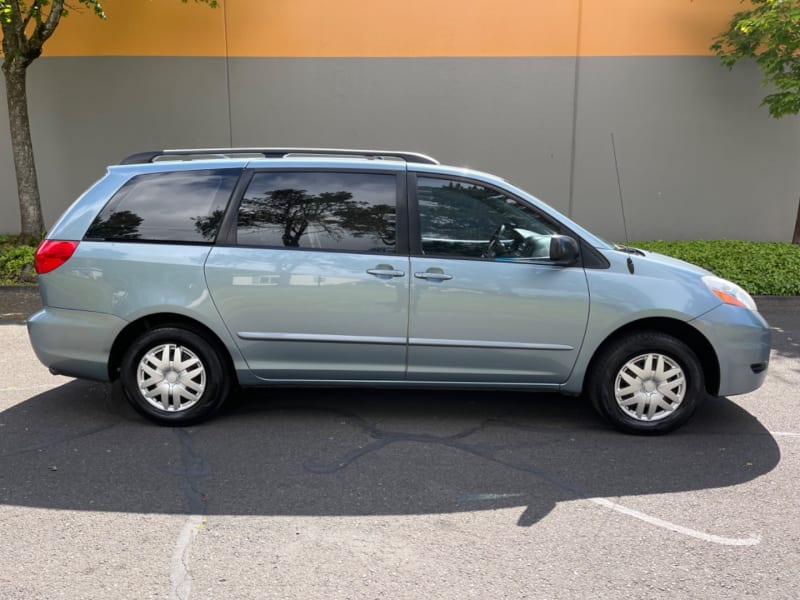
{"type": "Point", "coordinates": [359, 452]}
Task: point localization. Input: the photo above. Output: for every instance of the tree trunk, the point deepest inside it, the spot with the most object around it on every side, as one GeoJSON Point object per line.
{"type": "Point", "coordinates": [30, 208]}
{"type": "Point", "coordinates": [796, 236]}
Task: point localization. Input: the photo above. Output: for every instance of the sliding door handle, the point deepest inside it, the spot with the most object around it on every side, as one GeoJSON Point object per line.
{"type": "Point", "coordinates": [386, 271]}
{"type": "Point", "coordinates": [431, 275]}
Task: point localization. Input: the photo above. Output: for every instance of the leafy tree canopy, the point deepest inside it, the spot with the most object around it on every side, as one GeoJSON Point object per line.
{"type": "Point", "coordinates": [768, 32]}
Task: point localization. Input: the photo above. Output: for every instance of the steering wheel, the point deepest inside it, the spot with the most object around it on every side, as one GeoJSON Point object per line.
{"type": "Point", "coordinates": [495, 246]}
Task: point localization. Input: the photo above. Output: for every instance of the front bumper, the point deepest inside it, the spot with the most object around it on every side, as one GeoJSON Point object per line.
{"type": "Point", "coordinates": [74, 342]}
{"type": "Point", "coordinates": [741, 339]}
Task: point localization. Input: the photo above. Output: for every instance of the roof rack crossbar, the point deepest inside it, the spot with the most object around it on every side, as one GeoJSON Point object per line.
{"type": "Point", "coordinates": [152, 155]}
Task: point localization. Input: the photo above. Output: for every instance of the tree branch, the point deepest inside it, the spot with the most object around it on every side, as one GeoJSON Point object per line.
{"type": "Point", "coordinates": [45, 28]}
{"type": "Point", "coordinates": [14, 41]}
{"type": "Point", "coordinates": [34, 10]}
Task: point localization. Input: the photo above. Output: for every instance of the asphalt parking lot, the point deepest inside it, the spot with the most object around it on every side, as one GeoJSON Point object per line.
{"type": "Point", "coordinates": [405, 494]}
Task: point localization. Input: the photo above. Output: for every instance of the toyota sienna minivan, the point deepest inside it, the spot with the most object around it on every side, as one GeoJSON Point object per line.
{"type": "Point", "coordinates": [186, 274]}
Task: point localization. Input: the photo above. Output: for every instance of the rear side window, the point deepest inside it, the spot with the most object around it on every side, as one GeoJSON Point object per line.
{"type": "Point", "coordinates": [180, 206]}
{"type": "Point", "coordinates": [325, 210]}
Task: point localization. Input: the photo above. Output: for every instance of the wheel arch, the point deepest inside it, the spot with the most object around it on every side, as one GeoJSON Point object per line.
{"type": "Point", "coordinates": [143, 324]}
{"type": "Point", "coordinates": [681, 330]}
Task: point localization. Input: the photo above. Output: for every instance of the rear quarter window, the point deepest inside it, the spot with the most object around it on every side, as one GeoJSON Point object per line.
{"type": "Point", "coordinates": [179, 206]}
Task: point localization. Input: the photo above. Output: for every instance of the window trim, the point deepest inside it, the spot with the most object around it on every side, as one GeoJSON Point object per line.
{"type": "Point", "coordinates": [229, 223]}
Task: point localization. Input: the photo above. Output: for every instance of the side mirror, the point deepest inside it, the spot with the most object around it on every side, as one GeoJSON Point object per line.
{"type": "Point", "coordinates": [563, 250]}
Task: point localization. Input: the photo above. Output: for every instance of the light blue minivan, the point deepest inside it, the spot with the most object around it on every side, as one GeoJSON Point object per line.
{"type": "Point", "coordinates": [189, 273]}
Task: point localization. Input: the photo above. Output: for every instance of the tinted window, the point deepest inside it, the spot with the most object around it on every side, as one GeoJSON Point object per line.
{"type": "Point", "coordinates": [182, 206]}
{"type": "Point", "coordinates": [468, 220]}
{"type": "Point", "coordinates": [320, 210]}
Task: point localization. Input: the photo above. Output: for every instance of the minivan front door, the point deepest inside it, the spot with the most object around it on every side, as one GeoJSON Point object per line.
{"type": "Point", "coordinates": [486, 303]}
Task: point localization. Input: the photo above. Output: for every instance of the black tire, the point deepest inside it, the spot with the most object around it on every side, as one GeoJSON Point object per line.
{"type": "Point", "coordinates": [625, 361]}
{"type": "Point", "coordinates": [180, 396]}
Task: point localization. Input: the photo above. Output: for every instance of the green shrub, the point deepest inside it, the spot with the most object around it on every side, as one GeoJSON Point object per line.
{"type": "Point", "coordinates": [16, 262]}
{"type": "Point", "coordinates": [762, 268]}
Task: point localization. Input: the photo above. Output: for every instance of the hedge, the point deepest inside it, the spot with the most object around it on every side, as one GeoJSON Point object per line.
{"type": "Point", "coordinates": [762, 268]}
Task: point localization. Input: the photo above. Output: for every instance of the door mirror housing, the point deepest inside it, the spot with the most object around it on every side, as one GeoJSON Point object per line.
{"type": "Point", "coordinates": [564, 250]}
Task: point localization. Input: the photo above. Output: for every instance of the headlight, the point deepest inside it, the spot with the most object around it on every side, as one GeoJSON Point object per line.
{"type": "Point", "coordinates": [729, 292]}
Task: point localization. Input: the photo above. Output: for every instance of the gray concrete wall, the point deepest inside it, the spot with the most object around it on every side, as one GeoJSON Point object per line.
{"type": "Point", "coordinates": [697, 157]}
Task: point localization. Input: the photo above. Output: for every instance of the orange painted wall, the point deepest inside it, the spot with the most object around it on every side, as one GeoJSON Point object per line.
{"type": "Point", "coordinates": [411, 28]}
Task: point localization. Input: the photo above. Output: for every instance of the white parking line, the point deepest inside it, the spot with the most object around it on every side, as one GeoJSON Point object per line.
{"type": "Point", "coordinates": [706, 537]}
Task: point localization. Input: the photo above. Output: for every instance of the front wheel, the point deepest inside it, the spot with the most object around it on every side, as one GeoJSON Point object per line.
{"type": "Point", "coordinates": [174, 377]}
{"type": "Point", "coordinates": [647, 383]}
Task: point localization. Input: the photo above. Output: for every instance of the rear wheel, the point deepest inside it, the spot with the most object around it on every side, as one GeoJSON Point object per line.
{"type": "Point", "coordinates": [173, 376]}
{"type": "Point", "coordinates": [647, 383]}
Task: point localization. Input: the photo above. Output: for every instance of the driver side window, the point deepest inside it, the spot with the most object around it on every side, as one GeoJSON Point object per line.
{"type": "Point", "coordinates": [467, 220]}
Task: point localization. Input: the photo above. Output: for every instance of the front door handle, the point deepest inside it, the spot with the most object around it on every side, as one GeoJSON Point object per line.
{"type": "Point", "coordinates": [433, 274]}
{"type": "Point", "coordinates": [386, 271]}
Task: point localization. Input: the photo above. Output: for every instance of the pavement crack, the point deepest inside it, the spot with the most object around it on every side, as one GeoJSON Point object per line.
{"type": "Point", "coordinates": [531, 514]}
{"type": "Point", "coordinates": [192, 468]}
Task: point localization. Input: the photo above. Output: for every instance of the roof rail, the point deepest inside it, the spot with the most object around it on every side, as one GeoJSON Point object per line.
{"type": "Point", "coordinates": [206, 153]}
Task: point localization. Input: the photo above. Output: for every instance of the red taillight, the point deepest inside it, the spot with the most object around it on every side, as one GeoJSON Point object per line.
{"type": "Point", "coordinates": [51, 254]}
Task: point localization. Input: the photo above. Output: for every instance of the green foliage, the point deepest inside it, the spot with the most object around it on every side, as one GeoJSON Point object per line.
{"type": "Point", "coordinates": [763, 268]}
{"type": "Point", "coordinates": [769, 32]}
{"type": "Point", "coordinates": [16, 261]}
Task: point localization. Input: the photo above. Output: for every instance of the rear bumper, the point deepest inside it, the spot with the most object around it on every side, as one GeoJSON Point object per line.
{"type": "Point", "coordinates": [741, 339]}
{"type": "Point", "coordinates": [74, 342]}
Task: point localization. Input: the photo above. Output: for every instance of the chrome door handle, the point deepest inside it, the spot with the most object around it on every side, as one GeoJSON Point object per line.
{"type": "Point", "coordinates": [432, 275]}
{"type": "Point", "coordinates": [386, 271]}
